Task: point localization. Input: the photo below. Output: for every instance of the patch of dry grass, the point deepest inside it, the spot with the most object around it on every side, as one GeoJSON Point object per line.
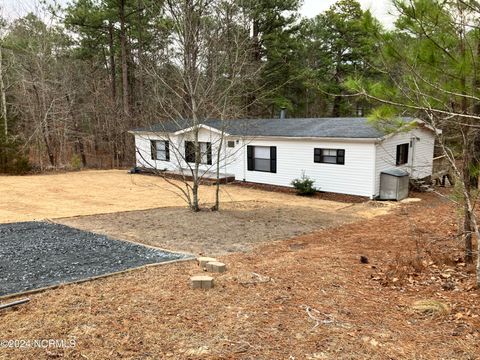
{"type": "Point", "coordinates": [36, 197]}
{"type": "Point", "coordinates": [431, 307]}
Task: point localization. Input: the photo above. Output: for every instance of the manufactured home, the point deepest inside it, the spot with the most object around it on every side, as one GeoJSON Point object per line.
{"type": "Point", "coordinates": [342, 155]}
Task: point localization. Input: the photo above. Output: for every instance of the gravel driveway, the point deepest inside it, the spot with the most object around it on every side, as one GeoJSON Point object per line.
{"type": "Point", "coordinates": [38, 254]}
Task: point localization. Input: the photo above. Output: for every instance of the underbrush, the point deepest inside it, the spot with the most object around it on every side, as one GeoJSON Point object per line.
{"type": "Point", "coordinates": [432, 255]}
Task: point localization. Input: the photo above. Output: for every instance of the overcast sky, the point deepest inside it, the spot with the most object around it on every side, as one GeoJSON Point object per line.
{"type": "Point", "coordinates": [379, 8]}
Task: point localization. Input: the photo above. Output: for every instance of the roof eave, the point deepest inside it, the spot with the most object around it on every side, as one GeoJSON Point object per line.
{"type": "Point", "coordinates": [324, 138]}
{"type": "Point", "coordinates": [417, 121]}
{"type": "Point", "coordinates": [146, 132]}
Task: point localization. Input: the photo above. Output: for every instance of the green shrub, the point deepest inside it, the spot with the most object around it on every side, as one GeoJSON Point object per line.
{"type": "Point", "coordinates": [304, 186]}
{"type": "Point", "coordinates": [20, 166]}
{"type": "Point", "coordinates": [75, 162]}
{"type": "Point", "coordinates": [12, 160]}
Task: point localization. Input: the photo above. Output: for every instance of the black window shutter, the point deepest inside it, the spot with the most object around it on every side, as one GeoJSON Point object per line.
{"type": "Point", "coordinates": [250, 164]}
{"type": "Point", "coordinates": [341, 157]}
{"type": "Point", "coordinates": [167, 150]}
{"type": "Point", "coordinates": [317, 155]}
{"type": "Point", "coordinates": [398, 154]}
{"type": "Point", "coordinates": [209, 153]}
{"type": "Point", "coordinates": [153, 149]}
{"type": "Point", "coordinates": [273, 159]}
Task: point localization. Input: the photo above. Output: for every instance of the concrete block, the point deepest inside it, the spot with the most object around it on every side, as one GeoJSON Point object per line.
{"type": "Point", "coordinates": [201, 282]}
{"type": "Point", "coordinates": [216, 267]}
{"type": "Point", "coordinates": [202, 261]}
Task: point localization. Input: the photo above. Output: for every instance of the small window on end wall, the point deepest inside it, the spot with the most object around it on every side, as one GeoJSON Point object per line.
{"type": "Point", "coordinates": [231, 144]}
{"type": "Point", "coordinates": [402, 154]}
{"type": "Point", "coordinates": [329, 156]}
{"type": "Point", "coordinates": [160, 150]}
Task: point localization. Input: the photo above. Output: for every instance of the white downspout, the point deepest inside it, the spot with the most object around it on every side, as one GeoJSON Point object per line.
{"type": "Point", "coordinates": [412, 165]}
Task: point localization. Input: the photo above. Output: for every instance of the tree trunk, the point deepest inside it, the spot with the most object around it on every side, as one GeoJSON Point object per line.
{"type": "Point", "coordinates": [336, 106]}
{"type": "Point", "coordinates": [113, 70]}
{"type": "Point", "coordinates": [123, 46]}
{"type": "Point", "coordinates": [196, 179]}
{"type": "Point", "coordinates": [81, 150]}
{"type": "Point", "coordinates": [470, 209]}
{"type": "Point", "coordinates": [216, 207]}
{"type": "Point", "coordinates": [467, 229]}
{"type": "Point", "coordinates": [3, 101]}
{"type": "Point", "coordinates": [141, 44]}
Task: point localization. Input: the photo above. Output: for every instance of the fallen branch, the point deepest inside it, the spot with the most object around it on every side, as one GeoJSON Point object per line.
{"type": "Point", "coordinates": [311, 311]}
{"type": "Point", "coordinates": [15, 303]}
{"type": "Point", "coordinates": [257, 279]}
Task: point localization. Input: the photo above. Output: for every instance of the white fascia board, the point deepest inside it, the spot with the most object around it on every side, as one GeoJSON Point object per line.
{"type": "Point", "coordinates": [202, 126]}
{"type": "Point", "coordinates": [148, 133]}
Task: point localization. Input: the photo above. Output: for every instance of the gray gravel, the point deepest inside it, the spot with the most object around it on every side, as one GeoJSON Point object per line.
{"type": "Point", "coordinates": [38, 254]}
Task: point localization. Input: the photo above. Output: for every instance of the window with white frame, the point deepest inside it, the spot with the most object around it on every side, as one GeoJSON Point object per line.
{"type": "Point", "coordinates": [262, 158]}
{"type": "Point", "coordinates": [329, 156]}
{"type": "Point", "coordinates": [205, 152]}
{"type": "Point", "coordinates": [160, 150]}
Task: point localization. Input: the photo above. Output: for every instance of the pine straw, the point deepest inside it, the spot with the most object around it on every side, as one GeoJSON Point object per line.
{"type": "Point", "coordinates": [305, 298]}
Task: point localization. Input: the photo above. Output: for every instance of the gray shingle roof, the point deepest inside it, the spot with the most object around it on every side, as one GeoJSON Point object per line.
{"type": "Point", "coordinates": [350, 128]}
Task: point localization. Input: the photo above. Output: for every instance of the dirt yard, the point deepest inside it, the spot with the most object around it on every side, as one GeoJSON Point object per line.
{"type": "Point", "coordinates": [145, 209]}
{"type": "Point", "coordinates": [236, 228]}
{"type": "Point", "coordinates": [306, 298]}
{"type": "Point", "coordinates": [37, 197]}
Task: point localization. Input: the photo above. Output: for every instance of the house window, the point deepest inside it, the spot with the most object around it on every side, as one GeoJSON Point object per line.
{"type": "Point", "coordinates": [402, 154]}
{"type": "Point", "coordinates": [231, 144]}
{"type": "Point", "coordinates": [329, 156]}
{"type": "Point", "coordinates": [205, 152]}
{"type": "Point", "coordinates": [262, 158]}
{"type": "Point", "coordinates": [160, 150]}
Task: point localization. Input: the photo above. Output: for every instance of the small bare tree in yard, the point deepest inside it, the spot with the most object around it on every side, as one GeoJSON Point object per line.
{"type": "Point", "coordinates": [208, 64]}
{"type": "Point", "coordinates": [432, 64]}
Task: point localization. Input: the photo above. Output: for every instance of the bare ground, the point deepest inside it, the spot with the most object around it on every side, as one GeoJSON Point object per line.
{"type": "Point", "coordinates": [146, 209]}
{"type": "Point", "coordinates": [37, 197]}
{"type": "Point", "coordinates": [258, 309]}
{"type": "Point", "coordinates": [236, 228]}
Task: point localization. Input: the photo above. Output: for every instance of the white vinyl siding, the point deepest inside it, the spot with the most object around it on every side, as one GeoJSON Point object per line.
{"type": "Point", "coordinates": [421, 143]}
{"type": "Point", "coordinates": [359, 175]}
{"type": "Point", "coordinates": [295, 156]}
{"type": "Point", "coordinates": [177, 151]}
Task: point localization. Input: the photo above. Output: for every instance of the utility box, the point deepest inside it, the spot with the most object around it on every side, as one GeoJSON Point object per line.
{"type": "Point", "coordinates": [394, 184]}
